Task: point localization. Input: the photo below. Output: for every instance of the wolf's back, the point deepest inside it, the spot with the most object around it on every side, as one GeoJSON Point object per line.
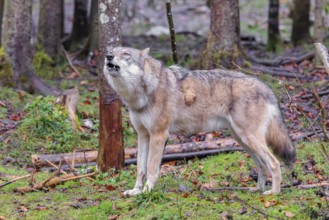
{"type": "Point", "coordinates": [278, 138]}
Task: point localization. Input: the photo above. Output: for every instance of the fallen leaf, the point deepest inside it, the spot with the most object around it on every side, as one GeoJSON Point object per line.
{"type": "Point", "coordinates": [41, 207]}
{"type": "Point", "coordinates": [243, 210]}
{"type": "Point", "coordinates": [110, 187]}
{"type": "Point", "coordinates": [267, 204]}
{"type": "Point", "coordinates": [186, 194]}
{"type": "Point", "coordinates": [15, 117]}
{"type": "Point", "coordinates": [73, 75]}
{"type": "Point", "coordinates": [23, 209]}
{"type": "Point", "coordinates": [241, 163]}
{"type": "Point", "coordinates": [114, 217]}
{"type": "Point", "coordinates": [289, 214]}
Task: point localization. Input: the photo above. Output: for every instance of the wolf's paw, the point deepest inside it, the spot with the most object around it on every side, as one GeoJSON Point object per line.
{"type": "Point", "coordinates": [270, 192]}
{"type": "Point", "coordinates": [132, 192]}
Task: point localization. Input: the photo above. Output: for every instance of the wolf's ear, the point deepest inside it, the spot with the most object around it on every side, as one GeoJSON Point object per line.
{"type": "Point", "coordinates": [145, 52]}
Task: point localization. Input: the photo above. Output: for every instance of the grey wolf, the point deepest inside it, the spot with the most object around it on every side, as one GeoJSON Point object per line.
{"type": "Point", "coordinates": [176, 100]}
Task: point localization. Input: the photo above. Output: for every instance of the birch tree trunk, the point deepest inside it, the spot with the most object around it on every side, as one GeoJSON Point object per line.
{"type": "Point", "coordinates": [223, 46]}
{"type": "Point", "coordinates": [301, 22]}
{"type": "Point", "coordinates": [17, 42]}
{"type": "Point", "coordinates": [273, 39]}
{"type": "Point", "coordinates": [110, 152]}
{"type": "Point", "coordinates": [50, 25]}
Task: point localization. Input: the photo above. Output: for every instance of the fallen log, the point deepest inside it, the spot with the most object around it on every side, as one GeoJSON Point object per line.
{"type": "Point", "coordinates": [88, 157]}
{"type": "Point", "coordinates": [166, 157]}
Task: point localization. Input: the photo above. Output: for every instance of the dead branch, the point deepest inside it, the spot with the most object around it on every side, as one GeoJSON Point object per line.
{"type": "Point", "coordinates": [323, 53]}
{"type": "Point", "coordinates": [14, 180]}
{"type": "Point", "coordinates": [172, 31]}
{"type": "Point", "coordinates": [52, 181]}
{"type": "Point", "coordinates": [284, 60]}
{"type": "Point", "coordinates": [320, 93]}
{"type": "Point", "coordinates": [287, 74]}
{"type": "Point", "coordinates": [323, 117]}
{"type": "Point", "coordinates": [69, 61]}
{"type": "Point", "coordinates": [218, 189]}
{"type": "Point", "coordinates": [315, 185]}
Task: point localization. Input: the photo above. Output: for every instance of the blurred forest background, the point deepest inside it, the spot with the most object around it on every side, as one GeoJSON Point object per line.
{"type": "Point", "coordinates": [54, 99]}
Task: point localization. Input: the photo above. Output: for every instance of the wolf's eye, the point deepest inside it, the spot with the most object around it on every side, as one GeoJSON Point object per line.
{"type": "Point", "coordinates": [126, 54]}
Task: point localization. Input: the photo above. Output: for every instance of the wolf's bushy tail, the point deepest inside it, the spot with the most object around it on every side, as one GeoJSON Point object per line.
{"type": "Point", "coordinates": [278, 138]}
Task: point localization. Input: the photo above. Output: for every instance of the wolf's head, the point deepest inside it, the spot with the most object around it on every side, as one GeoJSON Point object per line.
{"type": "Point", "coordinates": [127, 62]}
{"type": "Point", "coordinates": [130, 71]}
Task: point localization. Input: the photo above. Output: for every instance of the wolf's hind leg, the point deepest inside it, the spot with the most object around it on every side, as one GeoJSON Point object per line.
{"type": "Point", "coordinates": [259, 147]}
{"type": "Point", "coordinates": [157, 144]}
{"type": "Point", "coordinates": [260, 165]}
{"type": "Point", "coordinates": [143, 148]}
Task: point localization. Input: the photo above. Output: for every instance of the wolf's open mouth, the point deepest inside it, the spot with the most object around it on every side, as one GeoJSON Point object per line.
{"type": "Point", "coordinates": [111, 66]}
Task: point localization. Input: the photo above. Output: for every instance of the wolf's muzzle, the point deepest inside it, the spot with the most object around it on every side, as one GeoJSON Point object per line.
{"type": "Point", "coordinates": [110, 65]}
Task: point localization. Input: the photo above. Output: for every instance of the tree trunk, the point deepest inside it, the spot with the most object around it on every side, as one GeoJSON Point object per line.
{"type": "Point", "coordinates": [318, 21]}
{"type": "Point", "coordinates": [2, 4]}
{"type": "Point", "coordinates": [50, 26]}
{"type": "Point", "coordinates": [17, 41]}
{"type": "Point", "coordinates": [80, 21]}
{"type": "Point", "coordinates": [110, 152]}
{"type": "Point", "coordinates": [93, 27]}
{"type": "Point", "coordinates": [301, 22]}
{"type": "Point", "coordinates": [223, 46]}
{"type": "Point", "coordinates": [273, 39]}
{"type": "Point", "coordinates": [318, 27]}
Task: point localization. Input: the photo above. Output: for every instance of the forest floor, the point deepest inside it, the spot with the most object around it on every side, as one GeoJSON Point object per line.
{"type": "Point", "coordinates": [189, 189]}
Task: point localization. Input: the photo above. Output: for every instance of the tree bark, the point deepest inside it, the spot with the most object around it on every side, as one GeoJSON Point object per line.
{"type": "Point", "coordinates": [110, 152]}
{"type": "Point", "coordinates": [80, 21]}
{"type": "Point", "coordinates": [17, 38]}
{"type": "Point", "coordinates": [273, 39]}
{"type": "Point", "coordinates": [2, 4]}
{"type": "Point", "coordinates": [318, 21]}
{"type": "Point", "coordinates": [93, 27]}
{"type": "Point", "coordinates": [223, 46]}
{"type": "Point", "coordinates": [50, 26]}
{"type": "Point", "coordinates": [301, 22]}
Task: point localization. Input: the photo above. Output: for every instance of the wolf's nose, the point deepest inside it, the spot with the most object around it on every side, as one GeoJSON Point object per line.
{"type": "Point", "coordinates": [109, 57]}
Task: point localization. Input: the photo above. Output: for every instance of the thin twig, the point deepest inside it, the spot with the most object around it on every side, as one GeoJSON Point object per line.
{"type": "Point", "coordinates": [69, 61]}
{"type": "Point", "coordinates": [172, 31]}
{"type": "Point", "coordinates": [62, 171]}
{"type": "Point", "coordinates": [254, 208]}
{"type": "Point", "coordinates": [14, 180]}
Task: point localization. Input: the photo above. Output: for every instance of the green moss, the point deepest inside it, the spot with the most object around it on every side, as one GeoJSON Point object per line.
{"type": "Point", "coordinates": [6, 78]}
{"type": "Point", "coordinates": [43, 64]}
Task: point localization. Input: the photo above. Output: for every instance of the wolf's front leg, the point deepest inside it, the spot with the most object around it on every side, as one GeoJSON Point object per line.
{"type": "Point", "coordinates": [143, 149]}
{"type": "Point", "coordinates": [157, 144]}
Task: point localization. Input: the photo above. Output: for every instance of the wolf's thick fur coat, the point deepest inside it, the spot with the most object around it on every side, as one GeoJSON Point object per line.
{"type": "Point", "coordinates": [176, 100]}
